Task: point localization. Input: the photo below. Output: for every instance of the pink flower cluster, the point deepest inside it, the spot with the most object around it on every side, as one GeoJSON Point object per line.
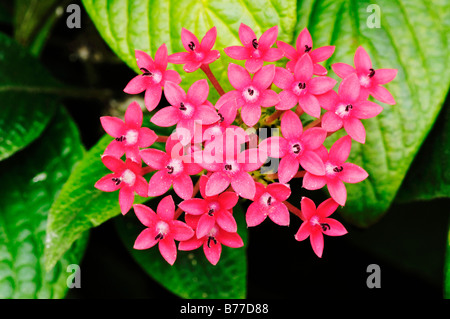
{"type": "Point", "coordinates": [217, 145]}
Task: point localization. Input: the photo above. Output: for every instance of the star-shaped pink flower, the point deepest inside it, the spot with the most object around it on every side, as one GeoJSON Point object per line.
{"type": "Point", "coordinates": [212, 242]}
{"type": "Point", "coordinates": [198, 53]}
{"type": "Point", "coordinates": [295, 148]}
{"type": "Point", "coordinates": [153, 78]}
{"type": "Point", "coordinates": [304, 45]}
{"type": "Point", "coordinates": [337, 171]}
{"type": "Point", "coordinates": [127, 177]}
{"type": "Point", "coordinates": [186, 109]}
{"type": "Point", "coordinates": [268, 201]}
{"type": "Point", "coordinates": [211, 209]}
{"type": "Point", "coordinates": [255, 51]}
{"type": "Point", "coordinates": [128, 136]}
{"type": "Point", "coordinates": [316, 223]}
{"type": "Point", "coordinates": [251, 93]}
{"type": "Point", "coordinates": [370, 80]}
{"type": "Point", "coordinates": [173, 168]}
{"type": "Point", "coordinates": [348, 109]}
{"type": "Point", "coordinates": [162, 229]}
{"type": "Point", "coordinates": [301, 87]}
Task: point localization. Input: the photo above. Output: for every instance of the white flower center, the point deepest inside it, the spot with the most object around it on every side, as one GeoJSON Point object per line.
{"type": "Point", "coordinates": [343, 110]}
{"type": "Point", "coordinates": [162, 228]}
{"type": "Point", "coordinates": [365, 81]}
{"type": "Point", "coordinates": [187, 110]}
{"type": "Point", "coordinates": [250, 94]}
{"type": "Point", "coordinates": [174, 167]}
{"type": "Point", "coordinates": [231, 167]}
{"type": "Point", "coordinates": [128, 177]}
{"type": "Point", "coordinates": [199, 56]}
{"type": "Point", "coordinates": [157, 77]}
{"type": "Point", "coordinates": [332, 169]}
{"type": "Point", "coordinates": [267, 200]}
{"type": "Point", "coordinates": [131, 137]}
{"type": "Point", "coordinates": [299, 88]}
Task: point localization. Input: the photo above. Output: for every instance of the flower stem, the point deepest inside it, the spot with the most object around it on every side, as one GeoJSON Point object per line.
{"type": "Point", "coordinates": [294, 210]}
{"type": "Point", "coordinates": [162, 139]}
{"type": "Point", "coordinates": [274, 116]}
{"type": "Point", "coordinates": [178, 212]}
{"type": "Point", "coordinates": [298, 175]}
{"type": "Point", "coordinates": [313, 124]}
{"type": "Point", "coordinates": [205, 68]}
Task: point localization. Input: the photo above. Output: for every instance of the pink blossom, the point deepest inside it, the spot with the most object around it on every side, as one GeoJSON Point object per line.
{"type": "Point", "coordinates": [255, 51]}
{"type": "Point", "coordinates": [186, 109]}
{"type": "Point", "coordinates": [212, 242]}
{"type": "Point", "coordinates": [304, 46]}
{"type": "Point", "coordinates": [198, 53]}
{"type": "Point", "coordinates": [301, 87]}
{"type": "Point", "coordinates": [251, 93]}
{"type": "Point", "coordinates": [128, 136]}
{"type": "Point", "coordinates": [370, 80]}
{"type": "Point", "coordinates": [127, 177]}
{"type": "Point", "coordinates": [211, 209]}
{"type": "Point", "coordinates": [316, 223]}
{"type": "Point", "coordinates": [173, 168]}
{"type": "Point", "coordinates": [153, 78]}
{"type": "Point", "coordinates": [337, 171]}
{"type": "Point", "coordinates": [268, 201]}
{"type": "Point", "coordinates": [162, 229]}
{"type": "Point", "coordinates": [348, 109]}
{"type": "Point", "coordinates": [295, 148]}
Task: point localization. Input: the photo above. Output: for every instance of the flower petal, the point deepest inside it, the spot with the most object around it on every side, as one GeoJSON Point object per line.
{"type": "Point", "coordinates": [246, 35]}
{"type": "Point", "coordinates": [383, 76]}
{"type": "Point", "coordinates": [311, 162]}
{"type": "Point", "coordinates": [268, 38]}
{"type": "Point", "coordinates": [331, 122]}
{"type": "Point", "coordinates": [115, 149]}
{"type": "Point", "coordinates": [213, 251]}
{"type": "Point", "coordinates": [255, 215]}
{"type": "Point", "coordinates": [152, 97]}
{"type": "Point", "coordinates": [340, 150]}
{"type": "Point", "coordinates": [159, 183]}
{"type": "Point", "coordinates": [154, 158]}
{"type": "Point", "coordinates": [279, 214]}
{"type": "Point", "coordinates": [322, 53]}
{"type": "Point", "coordinates": [362, 61]}
{"type": "Point", "coordinates": [206, 114]}
{"type": "Point", "coordinates": [288, 50]}
{"type": "Point", "coordinates": [308, 208]}
{"type": "Point", "coordinates": [144, 60]}
{"type": "Point", "coordinates": [161, 59]}
{"type": "Point", "coordinates": [168, 249]}
{"type": "Point", "coordinates": [319, 69]}
{"type": "Point", "coordinates": [253, 65]}
{"type": "Point", "coordinates": [337, 191]}
{"type": "Point", "coordinates": [190, 244]}
{"type": "Point", "coordinates": [179, 58]}
{"type": "Point", "coordinates": [113, 164]}
{"type": "Point", "coordinates": [269, 98]}
{"type": "Point", "coordinates": [283, 78]}
{"type": "Point", "coordinates": [183, 186]}
{"type": "Point", "coordinates": [226, 221]}
{"type": "Point", "coordinates": [310, 105]}
{"type": "Point", "coordinates": [287, 169]}
{"type": "Point", "coordinates": [335, 227]}
{"type": "Point", "coordinates": [113, 126]}
{"type": "Point", "coordinates": [146, 239]}
{"type": "Point", "coordinates": [321, 85]}
{"type": "Point", "coordinates": [366, 110]}
{"type": "Point", "coordinates": [313, 182]}
{"type": "Point", "coordinates": [303, 232]}
{"type": "Point", "coordinates": [166, 208]}
{"type": "Point", "coordinates": [280, 191]}
{"type": "Point", "coordinates": [209, 39]}
{"type": "Point", "coordinates": [355, 129]}
{"type": "Point", "coordinates": [217, 183]}
{"type": "Point", "coordinates": [349, 89]}
{"type": "Point", "coordinates": [106, 183]}
{"type": "Point", "coordinates": [228, 200]}
{"type": "Point", "coordinates": [136, 85]}
{"type": "Point", "coordinates": [133, 115]}
{"type": "Point", "coordinates": [342, 70]}
{"type": "Point", "coordinates": [146, 215]}
{"type": "Point", "coordinates": [126, 198]}
{"type": "Point", "coordinates": [198, 92]}
{"type": "Point", "coordinates": [181, 231]}
{"type": "Point", "coordinates": [287, 100]}
{"type": "Point", "coordinates": [251, 113]}
{"type": "Point", "coordinates": [187, 39]}
{"type": "Point", "coordinates": [382, 94]}
{"type": "Point", "coordinates": [238, 76]}
{"type": "Point", "coordinates": [291, 126]}
{"type": "Point", "coordinates": [167, 116]}
{"type": "Point", "coordinates": [146, 137]}
{"type": "Point", "coordinates": [232, 240]}
{"type": "Point", "coordinates": [141, 186]}
{"type": "Point", "coordinates": [194, 206]}
{"type": "Point", "coordinates": [244, 185]}
{"type": "Point", "coordinates": [316, 239]}
{"type": "Point", "coordinates": [352, 173]}
{"type": "Point", "coordinates": [205, 224]}
{"type": "Point", "coordinates": [303, 69]}
{"type": "Point", "coordinates": [264, 77]}
{"type": "Point", "coordinates": [304, 41]}
{"type": "Point", "coordinates": [313, 137]}
{"type": "Point", "coordinates": [327, 207]}
{"type": "Point", "coordinates": [172, 76]}
{"type": "Point", "coordinates": [237, 52]}
{"type": "Point", "coordinates": [272, 55]}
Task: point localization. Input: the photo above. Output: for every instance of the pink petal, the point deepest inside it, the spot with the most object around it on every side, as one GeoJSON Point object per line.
{"type": "Point", "coordinates": [144, 60]}
{"type": "Point", "coordinates": [349, 88]}
{"type": "Point", "coordinates": [205, 224]}
{"type": "Point", "coordinates": [136, 85]}
{"type": "Point", "coordinates": [209, 39]}
{"type": "Point", "coordinates": [194, 206]}
{"type": "Point", "coordinates": [213, 252]}
{"type": "Point", "coordinates": [244, 185]}
{"type": "Point", "coordinates": [238, 76]}
{"type": "Point", "coordinates": [340, 150]}
{"type": "Point", "coordinates": [211, 57]}
{"type": "Point", "coordinates": [145, 240]}
{"type": "Point", "coordinates": [322, 53]}
{"type": "Point", "coordinates": [362, 61]}
{"type": "Point", "coordinates": [352, 173]}
{"type": "Point", "coordinates": [291, 126]}
{"type": "Point", "coordinates": [126, 198]}
{"type": "Point", "coordinates": [264, 77]}
{"type": "Point", "coordinates": [187, 37]}
{"type": "Point", "coordinates": [331, 122]}
{"type": "Point", "coordinates": [192, 168]}
{"type": "Point", "coordinates": [313, 137]}
{"type": "Point", "coordinates": [152, 97]}
{"type": "Point", "coordinates": [228, 200]}
{"type": "Point", "coordinates": [115, 149]}
{"type": "Point", "coordinates": [183, 186]}
{"type": "Point", "coordinates": [190, 244]}
{"type": "Point", "coordinates": [255, 214]}
{"type": "Point", "coordinates": [310, 105]}
{"type": "Point", "coordinates": [198, 92]}
{"type": "Point", "coordinates": [272, 55]}
{"type": "Point", "coordinates": [281, 192]}
{"type": "Point", "coordinates": [303, 69]}
{"type": "Point", "coordinates": [166, 208]}
{"type": "Point", "coordinates": [217, 183]}
{"type": "Point", "coordinates": [269, 98]}
{"type": "Point", "coordinates": [308, 208]}
{"type": "Point", "coordinates": [246, 35]}
{"type": "Point", "coordinates": [287, 169]}
{"type": "Point", "coordinates": [311, 162]}
{"type": "Point", "coordinates": [181, 231]}
{"type": "Point", "coordinates": [327, 207]}
{"type": "Point", "coordinates": [283, 78]}
{"type": "Point", "coordinates": [303, 232]}
{"type": "Point", "coordinates": [168, 250]}
{"type": "Point", "coordinates": [268, 38]}
{"type": "Point", "coordinates": [154, 158]}
{"type": "Point", "coordinates": [279, 214]}
{"type": "Point", "coordinates": [316, 239]}
{"type": "Point", "coordinates": [382, 94]}
{"type": "Point", "coordinates": [172, 76]}
{"type": "Point", "coordinates": [146, 137]}
{"type": "Point", "coordinates": [192, 66]}
{"type": "Point", "coordinates": [179, 58]}
{"type": "Point", "coordinates": [319, 69]}
{"type": "Point", "coordinates": [366, 110]}
{"type": "Point", "coordinates": [251, 114]}
{"type": "Point", "coordinates": [106, 183]}
{"type": "Point", "coordinates": [174, 93]}
{"type": "Point", "coordinates": [383, 76]}
{"type": "Point", "coordinates": [113, 126]}
{"type": "Point", "coordinates": [287, 100]}
{"type": "Point", "coordinates": [237, 52]}
{"type": "Point", "coordinates": [313, 182]}
{"type": "Point", "coordinates": [167, 116]}
{"type": "Point", "coordinates": [113, 164]}
{"type": "Point", "coordinates": [251, 159]}
{"type": "Point", "coordinates": [226, 221]}
{"type": "Point", "coordinates": [355, 129]}
{"type": "Point", "coordinates": [342, 70]}
{"type": "Point", "coordinates": [337, 191]}
{"type": "Point", "coordinates": [232, 240]}
{"type": "Point", "coordinates": [304, 40]}
{"type": "Point", "coordinates": [133, 115]}
{"type": "Point", "coordinates": [253, 65]}
{"type": "Point", "coordinates": [141, 186]}
{"type": "Point", "coordinates": [145, 215]}
{"type": "Point", "coordinates": [159, 183]}
{"type": "Point", "coordinates": [288, 50]}
{"type": "Point", "coordinates": [328, 100]}
{"type": "Point", "coordinates": [273, 146]}
{"type": "Point", "coordinates": [335, 229]}
{"type": "Point", "coordinates": [206, 115]}
{"type": "Point", "coordinates": [321, 85]}
{"type": "Point", "coordinates": [161, 57]}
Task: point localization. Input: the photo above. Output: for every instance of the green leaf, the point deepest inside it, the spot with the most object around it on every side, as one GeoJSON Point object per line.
{"type": "Point", "coordinates": [404, 42]}
{"type": "Point", "coordinates": [26, 111]}
{"type": "Point", "coordinates": [145, 25]}
{"type": "Point", "coordinates": [192, 276]}
{"type": "Point", "coordinates": [81, 206]}
{"type": "Point", "coordinates": [30, 182]}
{"type": "Point", "coordinates": [447, 268]}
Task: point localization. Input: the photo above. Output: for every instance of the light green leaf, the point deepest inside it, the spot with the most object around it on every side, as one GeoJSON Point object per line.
{"type": "Point", "coordinates": [31, 180]}
{"type": "Point", "coordinates": [192, 276]}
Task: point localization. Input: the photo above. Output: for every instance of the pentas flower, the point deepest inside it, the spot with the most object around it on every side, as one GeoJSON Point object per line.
{"type": "Point", "coordinates": [162, 229]}
{"type": "Point", "coordinates": [301, 87]}
{"type": "Point", "coordinates": [212, 242]}
{"type": "Point", "coordinates": [129, 136]}
{"type": "Point", "coordinates": [186, 109]}
{"type": "Point", "coordinates": [251, 93]}
{"type": "Point", "coordinates": [304, 46]}
{"type": "Point", "coordinates": [153, 78]}
{"type": "Point", "coordinates": [337, 171]}
{"type": "Point", "coordinates": [316, 223]}
{"type": "Point", "coordinates": [126, 177]}
{"type": "Point", "coordinates": [295, 148]}
{"type": "Point", "coordinates": [198, 53]}
{"type": "Point", "coordinates": [370, 80]}
{"type": "Point", "coordinates": [268, 201]}
{"type": "Point", "coordinates": [255, 51]}
{"type": "Point", "coordinates": [212, 210]}
{"type": "Point", "coordinates": [173, 168]}
{"type": "Point", "coordinates": [348, 109]}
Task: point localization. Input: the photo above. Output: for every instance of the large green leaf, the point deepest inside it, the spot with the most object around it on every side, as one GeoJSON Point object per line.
{"type": "Point", "coordinates": [25, 110]}
{"type": "Point", "coordinates": [192, 276]}
{"type": "Point", "coordinates": [31, 180]}
{"type": "Point", "coordinates": [412, 39]}
{"type": "Point", "coordinates": [145, 25]}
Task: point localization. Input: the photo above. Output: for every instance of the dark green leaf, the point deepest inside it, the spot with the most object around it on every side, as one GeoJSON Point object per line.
{"type": "Point", "coordinates": [31, 181]}
{"type": "Point", "coordinates": [447, 269]}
